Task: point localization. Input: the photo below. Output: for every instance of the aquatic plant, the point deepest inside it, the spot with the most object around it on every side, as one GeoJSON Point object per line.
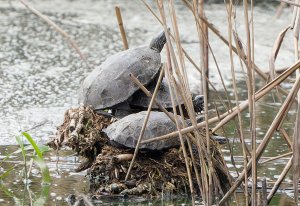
{"type": "Point", "coordinates": [37, 156]}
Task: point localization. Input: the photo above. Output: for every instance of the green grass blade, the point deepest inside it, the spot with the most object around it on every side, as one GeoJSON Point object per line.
{"type": "Point", "coordinates": [39, 159]}
{"type": "Point", "coordinates": [34, 145]}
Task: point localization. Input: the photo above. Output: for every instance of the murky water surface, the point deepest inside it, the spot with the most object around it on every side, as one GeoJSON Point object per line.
{"type": "Point", "coordinates": [40, 73]}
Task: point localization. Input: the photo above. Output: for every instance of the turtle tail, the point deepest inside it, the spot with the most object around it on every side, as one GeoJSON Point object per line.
{"type": "Point", "coordinates": [158, 42]}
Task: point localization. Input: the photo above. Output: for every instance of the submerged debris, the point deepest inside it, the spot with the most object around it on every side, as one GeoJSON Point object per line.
{"type": "Point", "coordinates": [155, 173]}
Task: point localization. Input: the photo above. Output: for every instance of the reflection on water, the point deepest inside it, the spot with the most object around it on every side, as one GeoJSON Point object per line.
{"type": "Point", "coordinates": [40, 74]}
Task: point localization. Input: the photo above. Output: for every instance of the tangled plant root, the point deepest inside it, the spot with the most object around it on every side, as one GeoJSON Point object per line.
{"type": "Point", "coordinates": [81, 131]}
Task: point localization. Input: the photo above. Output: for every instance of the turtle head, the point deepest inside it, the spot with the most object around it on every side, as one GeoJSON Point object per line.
{"type": "Point", "coordinates": [158, 42]}
{"type": "Point", "coordinates": [198, 102]}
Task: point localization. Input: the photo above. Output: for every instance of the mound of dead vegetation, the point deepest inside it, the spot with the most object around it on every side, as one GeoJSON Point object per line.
{"type": "Point", "coordinates": [153, 174]}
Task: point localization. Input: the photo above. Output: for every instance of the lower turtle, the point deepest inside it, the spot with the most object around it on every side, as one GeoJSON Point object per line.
{"type": "Point", "coordinates": [125, 132]}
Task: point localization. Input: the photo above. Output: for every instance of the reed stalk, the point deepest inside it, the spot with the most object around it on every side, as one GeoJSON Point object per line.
{"type": "Point", "coordinates": [190, 136]}
{"type": "Point", "coordinates": [279, 181]}
{"type": "Point", "coordinates": [240, 128]}
{"type": "Point", "coordinates": [121, 27]}
{"type": "Point", "coordinates": [275, 158]}
{"type": "Point", "coordinates": [145, 122]}
{"type": "Point", "coordinates": [280, 115]}
{"type": "Point", "coordinates": [171, 84]}
{"type": "Point", "coordinates": [193, 62]}
{"type": "Point", "coordinates": [251, 89]}
{"type": "Point", "coordinates": [264, 191]}
{"type": "Point", "coordinates": [290, 2]}
{"type": "Point", "coordinates": [198, 10]}
{"type": "Point", "coordinates": [227, 116]}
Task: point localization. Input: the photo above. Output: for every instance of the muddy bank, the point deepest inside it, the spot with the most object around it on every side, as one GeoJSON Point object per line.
{"type": "Point", "coordinates": [154, 173]}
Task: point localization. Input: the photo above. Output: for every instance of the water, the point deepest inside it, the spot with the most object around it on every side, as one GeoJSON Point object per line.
{"type": "Point", "coordinates": [40, 73]}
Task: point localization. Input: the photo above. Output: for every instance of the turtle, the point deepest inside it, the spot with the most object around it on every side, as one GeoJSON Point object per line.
{"type": "Point", "coordinates": [109, 86]}
{"type": "Point", "coordinates": [125, 132]}
{"type": "Point", "coordinates": [141, 101]}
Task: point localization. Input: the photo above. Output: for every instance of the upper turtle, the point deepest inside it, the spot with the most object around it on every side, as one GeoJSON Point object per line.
{"type": "Point", "coordinates": [110, 84]}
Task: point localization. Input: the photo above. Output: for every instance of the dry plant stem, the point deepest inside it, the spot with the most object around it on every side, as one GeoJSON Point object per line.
{"type": "Point", "coordinates": [148, 93]}
{"type": "Point", "coordinates": [289, 2]}
{"type": "Point", "coordinates": [182, 82]}
{"type": "Point", "coordinates": [202, 30]}
{"type": "Point", "coordinates": [57, 28]}
{"type": "Point", "coordinates": [178, 43]}
{"type": "Point", "coordinates": [241, 54]}
{"type": "Point", "coordinates": [276, 158]}
{"type": "Point", "coordinates": [121, 27]}
{"type": "Point", "coordinates": [280, 115]}
{"type": "Point", "coordinates": [296, 159]}
{"type": "Point", "coordinates": [252, 107]}
{"type": "Point", "coordinates": [296, 139]}
{"type": "Point", "coordinates": [280, 9]}
{"type": "Point", "coordinates": [294, 17]}
{"type": "Point", "coordinates": [240, 129]}
{"type": "Point", "coordinates": [145, 122]}
{"type": "Point", "coordinates": [279, 180]}
{"type": "Point", "coordinates": [169, 114]}
{"type": "Point", "coordinates": [190, 148]}
{"type": "Point", "coordinates": [193, 63]}
{"type": "Point", "coordinates": [180, 69]}
{"type": "Point", "coordinates": [182, 86]}
{"type": "Point", "coordinates": [263, 91]}
{"type": "Point", "coordinates": [171, 84]}
{"type": "Point", "coordinates": [227, 116]}
{"type": "Point", "coordinates": [264, 191]}
{"type": "Point", "coordinates": [218, 33]}
{"type": "Point", "coordinates": [203, 40]}
{"type": "Point", "coordinates": [136, 81]}
{"type": "Point", "coordinates": [275, 50]}
{"type": "Point", "coordinates": [198, 10]}
{"type": "Point", "coordinates": [203, 35]}
{"type": "Point", "coordinates": [285, 135]}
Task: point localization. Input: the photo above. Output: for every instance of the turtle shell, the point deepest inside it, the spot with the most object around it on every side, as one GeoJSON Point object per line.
{"type": "Point", "coordinates": [126, 131]}
{"type": "Point", "coordinates": [141, 100]}
{"type": "Point", "coordinates": [110, 83]}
